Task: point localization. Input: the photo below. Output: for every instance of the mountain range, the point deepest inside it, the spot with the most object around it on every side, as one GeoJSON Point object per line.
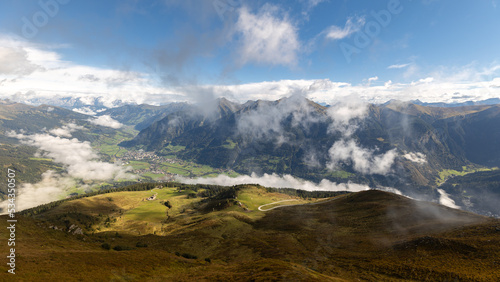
{"type": "Point", "coordinates": [299, 137]}
{"type": "Point", "coordinates": [412, 148]}
{"type": "Point", "coordinates": [172, 231]}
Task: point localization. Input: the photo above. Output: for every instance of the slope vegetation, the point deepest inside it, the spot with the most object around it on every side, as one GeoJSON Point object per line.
{"type": "Point", "coordinates": [218, 233]}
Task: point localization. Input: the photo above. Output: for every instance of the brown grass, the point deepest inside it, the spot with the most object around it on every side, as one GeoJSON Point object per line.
{"type": "Point", "coordinates": [373, 236]}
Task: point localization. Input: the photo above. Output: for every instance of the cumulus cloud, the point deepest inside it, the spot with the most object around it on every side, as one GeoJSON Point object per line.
{"type": "Point", "coordinates": [352, 25]}
{"type": "Point", "coordinates": [418, 157]}
{"type": "Point", "coordinates": [363, 160]}
{"type": "Point", "coordinates": [107, 121]}
{"type": "Point", "coordinates": [274, 180]}
{"type": "Point", "coordinates": [77, 157]}
{"type": "Point", "coordinates": [15, 61]}
{"type": "Point", "coordinates": [66, 130]}
{"type": "Point", "coordinates": [266, 37]}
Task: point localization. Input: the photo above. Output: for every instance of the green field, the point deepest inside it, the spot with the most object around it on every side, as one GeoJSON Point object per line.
{"type": "Point", "coordinates": [41, 159]}
{"type": "Point", "coordinates": [447, 173]}
{"type": "Point", "coordinates": [139, 165]}
{"type": "Point", "coordinates": [229, 144]}
{"type": "Point", "coordinates": [107, 144]}
{"type": "Point", "coordinates": [153, 176]}
{"type": "Point", "coordinates": [171, 149]}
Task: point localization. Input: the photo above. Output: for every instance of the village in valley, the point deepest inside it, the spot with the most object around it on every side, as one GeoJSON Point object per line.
{"type": "Point", "coordinates": [149, 165]}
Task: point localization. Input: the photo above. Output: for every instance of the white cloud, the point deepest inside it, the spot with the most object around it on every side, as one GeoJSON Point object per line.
{"type": "Point", "coordinates": [363, 160]}
{"type": "Point", "coordinates": [66, 130]}
{"type": "Point", "coordinates": [309, 5]}
{"type": "Point", "coordinates": [346, 114]}
{"type": "Point", "coordinates": [276, 181]}
{"type": "Point", "coordinates": [352, 25]}
{"type": "Point", "coordinates": [411, 71]}
{"type": "Point", "coordinates": [50, 188]}
{"type": "Point", "coordinates": [285, 181]}
{"type": "Point", "coordinates": [107, 121]}
{"type": "Point", "coordinates": [416, 157]}
{"type": "Point", "coordinates": [370, 80]}
{"type": "Point", "coordinates": [64, 79]}
{"type": "Point", "coordinates": [445, 200]}
{"type": "Point", "coordinates": [266, 37]}
{"type": "Point", "coordinates": [265, 121]}
{"type": "Point", "coordinates": [314, 3]}
{"type": "Point", "coordinates": [85, 111]}
{"type": "Point", "coordinates": [35, 71]}
{"type": "Point", "coordinates": [401, 66]}
{"type": "Point", "coordinates": [78, 158]}
{"type": "Point", "coordinates": [14, 61]}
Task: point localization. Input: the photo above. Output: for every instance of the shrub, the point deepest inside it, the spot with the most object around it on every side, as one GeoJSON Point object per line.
{"type": "Point", "coordinates": [168, 204]}
{"type": "Point", "coordinates": [121, 248]}
{"type": "Point", "coordinates": [189, 256]}
{"type": "Point", "coordinates": [141, 245]}
{"type": "Point", "coordinates": [106, 246]}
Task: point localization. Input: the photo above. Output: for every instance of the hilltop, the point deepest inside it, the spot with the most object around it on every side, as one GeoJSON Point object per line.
{"type": "Point", "coordinates": [219, 233]}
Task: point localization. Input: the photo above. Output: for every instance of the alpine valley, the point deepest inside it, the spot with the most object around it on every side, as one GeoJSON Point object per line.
{"type": "Point", "coordinates": [398, 191]}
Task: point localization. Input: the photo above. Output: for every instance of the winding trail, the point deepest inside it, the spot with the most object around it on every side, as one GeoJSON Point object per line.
{"type": "Point", "coordinates": [260, 208]}
{"type": "Point", "coordinates": [316, 203]}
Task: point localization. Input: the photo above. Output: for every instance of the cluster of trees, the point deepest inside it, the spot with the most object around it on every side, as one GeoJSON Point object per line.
{"type": "Point", "coordinates": [186, 255]}
{"type": "Point", "coordinates": [220, 193]}
{"type": "Point", "coordinates": [306, 194]}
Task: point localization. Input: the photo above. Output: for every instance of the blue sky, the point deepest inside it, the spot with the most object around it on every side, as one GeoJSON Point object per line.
{"type": "Point", "coordinates": [430, 49]}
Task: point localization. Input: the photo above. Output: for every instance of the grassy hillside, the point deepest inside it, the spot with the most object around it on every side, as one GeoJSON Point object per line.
{"type": "Point", "coordinates": [215, 233]}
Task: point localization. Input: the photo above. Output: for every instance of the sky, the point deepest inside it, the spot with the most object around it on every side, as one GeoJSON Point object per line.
{"type": "Point", "coordinates": [161, 51]}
